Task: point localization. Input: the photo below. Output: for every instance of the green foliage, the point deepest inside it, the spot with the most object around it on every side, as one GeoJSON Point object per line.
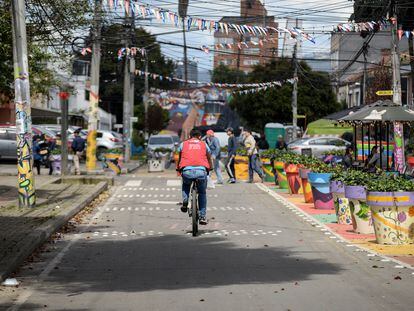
{"type": "Point", "coordinates": [335, 152]}
{"type": "Point", "coordinates": [223, 74]}
{"type": "Point", "coordinates": [357, 178]}
{"type": "Point", "coordinates": [241, 152]}
{"type": "Point", "coordinates": [274, 104]}
{"type": "Point", "coordinates": [389, 183]}
{"type": "Point", "coordinates": [115, 151]}
{"type": "Point", "coordinates": [162, 150]}
{"type": "Point", "coordinates": [56, 151]}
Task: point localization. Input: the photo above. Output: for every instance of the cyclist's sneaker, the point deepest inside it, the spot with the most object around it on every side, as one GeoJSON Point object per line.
{"type": "Point", "coordinates": [203, 221]}
{"type": "Point", "coordinates": [184, 207]}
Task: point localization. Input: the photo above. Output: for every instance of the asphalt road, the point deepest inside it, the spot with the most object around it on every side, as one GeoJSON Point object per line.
{"type": "Point", "coordinates": [255, 254]}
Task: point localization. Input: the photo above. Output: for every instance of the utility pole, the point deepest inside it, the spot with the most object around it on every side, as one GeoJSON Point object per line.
{"type": "Point", "coordinates": [26, 186]}
{"type": "Point", "coordinates": [295, 90]}
{"type": "Point", "coordinates": [146, 95]}
{"type": "Point", "coordinates": [126, 116]}
{"type": "Point", "coordinates": [364, 82]}
{"type": "Point", "coordinates": [399, 157]}
{"type": "Point", "coordinates": [94, 90]}
{"type": "Point", "coordinates": [64, 107]}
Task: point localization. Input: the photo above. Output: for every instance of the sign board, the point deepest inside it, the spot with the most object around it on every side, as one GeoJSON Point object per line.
{"type": "Point", "coordinates": [385, 93]}
{"type": "Point", "coordinates": [134, 119]}
{"type": "Point", "coordinates": [307, 152]}
{"type": "Point", "coordinates": [118, 126]}
{"type": "Point", "coordinates": [301, 116]}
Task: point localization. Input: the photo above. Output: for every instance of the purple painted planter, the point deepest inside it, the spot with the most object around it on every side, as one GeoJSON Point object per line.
{"type": "Point", "coordinates": [355, 192]}
{"type": "Point", "coordinates": [337, 187]}
{"type": "Point", "coordinates": [303, 173]}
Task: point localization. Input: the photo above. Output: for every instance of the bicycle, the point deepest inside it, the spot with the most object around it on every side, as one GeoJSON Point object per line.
{"type": "Point", "coordinates": [193, 211]}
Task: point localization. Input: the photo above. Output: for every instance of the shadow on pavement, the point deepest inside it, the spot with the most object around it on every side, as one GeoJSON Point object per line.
{"type": "Point", "coordinates": [176, 262]}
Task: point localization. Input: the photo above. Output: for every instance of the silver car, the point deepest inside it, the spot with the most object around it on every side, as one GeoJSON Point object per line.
{"type": "Point", "coordinates": [160, 142]}
{"type": "Point", "coordinates": [318, 145]}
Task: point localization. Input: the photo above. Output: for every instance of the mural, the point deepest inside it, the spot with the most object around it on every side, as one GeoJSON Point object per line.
{"type": "Point", "coordinates": [399, 146]}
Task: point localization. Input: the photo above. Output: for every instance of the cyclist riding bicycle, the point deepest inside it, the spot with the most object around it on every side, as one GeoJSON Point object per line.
{"type": "Point", "coordinates": [195, 163]}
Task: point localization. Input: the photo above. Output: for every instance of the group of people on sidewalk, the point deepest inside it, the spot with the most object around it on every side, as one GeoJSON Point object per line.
{"type": "Point", "coordinates": [42, 151]}
{"type": "Point", "coordinates": [252, 148]}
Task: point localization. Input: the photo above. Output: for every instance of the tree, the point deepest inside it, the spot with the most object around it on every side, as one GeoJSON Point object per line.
{"type": "Point", "coordinates": [224, 74]}
{"type": "Point", "coordinates": [158, 117]}
{"type": "Point", "coordinates": [315, 96]}
{"type": "Point", "coordinates": [379, 78]}
{"type": "Point", "coordinates": [112, 71]}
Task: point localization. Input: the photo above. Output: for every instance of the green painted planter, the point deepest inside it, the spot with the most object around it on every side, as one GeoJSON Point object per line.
{"type": "Point", "coordinates": [281, 175]}
{"type": "Point", "coordinates": [268, 169]}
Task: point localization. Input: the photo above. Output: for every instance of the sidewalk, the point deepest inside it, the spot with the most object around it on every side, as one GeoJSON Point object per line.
{"type": "Point", "coordinates": [401, 253]}
{"type": "Point", "coordinates": [10, 169]}
{"type": "Point", "coordinates": [22, 230]}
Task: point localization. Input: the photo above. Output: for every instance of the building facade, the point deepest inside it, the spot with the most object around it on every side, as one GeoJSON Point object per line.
{"type": "Point", "coordinates": [192, 70]}
{"type": "Point", "coordinates": [259, 49]}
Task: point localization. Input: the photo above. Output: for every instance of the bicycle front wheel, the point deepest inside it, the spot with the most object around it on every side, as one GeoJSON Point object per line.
{"type": "Point", "coordinates": [194, 206]}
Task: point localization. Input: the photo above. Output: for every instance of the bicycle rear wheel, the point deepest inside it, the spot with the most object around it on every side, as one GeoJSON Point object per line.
{"type": "Point", "coordinates": [194, 206]}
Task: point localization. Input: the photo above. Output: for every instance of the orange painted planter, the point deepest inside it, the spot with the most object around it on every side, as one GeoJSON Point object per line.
{"type": "Point", "coordinates": [306, 186]}
{"type": "Point", "coordinates": [292, 174]}
{"type": "Point", "coordinates": [241, 165]}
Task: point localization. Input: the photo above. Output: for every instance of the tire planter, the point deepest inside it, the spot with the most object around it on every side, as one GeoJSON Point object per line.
{"type": "Point", "coordinates": [241, 165]}
{"type": "Point", "coordinates": [322, 196]}
{"type": "Point", "coordinates": [113, 161]}
{"type": "Point", "coordinates": [306, 186]}
{"type": "Point", "coordinates": [361, 214]}
{"type": "Point", "coordinates": [292, 174]}
{"type": "Point", "coordinates": [268, 169]}
{"type": "Point", "coordinates": [341, 203]}
{"type": "Point", "coordinates": [281, 175]}
{"type": "Point", "coordinates": [393, 216]}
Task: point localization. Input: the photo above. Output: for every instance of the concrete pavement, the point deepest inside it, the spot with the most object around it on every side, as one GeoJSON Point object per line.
{"type": "Point", "coordinates": [137, 253]}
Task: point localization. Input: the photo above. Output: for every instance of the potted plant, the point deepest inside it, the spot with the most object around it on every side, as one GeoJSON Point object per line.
{"type": "Point", "coordinates": [292, 164]}
{"type": "Point", "coordinates": [341, 203]}
{"type": "Point", "coordinates": [391, 200]}
{"type": "Point", "coordinates": [56, 160]}
{"type": "Point", "coordinates": [355, 191]}
{"type": "Point", "coordinates": [279, 166]}
{"type": "Point", "coordinates": [266, 159]}
{"type": "Point", "coordinates": [320, 178]}
{"type": "Point", "coordinates": [334, 156]}
{"type": "Point", "coordinates": [303, 174]}
{"type": "Point", "coordinates": [241, 164]}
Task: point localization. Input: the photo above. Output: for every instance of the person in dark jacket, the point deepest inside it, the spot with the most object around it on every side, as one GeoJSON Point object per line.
{"type": "Point", "coordinates": [214, 145]}
{"type": "Point", "coordinates": [348, 157]}
{"type": "Point", "coordinates": [78, 146]}
{"type": "Point", "coordinates": [37, 158]}
{"type": "Point", "coordinates": [262, 143]}
{"type": "Point", "coordinates": [281, 144]}
{"type": "Point", "coordinates": [231, 149]}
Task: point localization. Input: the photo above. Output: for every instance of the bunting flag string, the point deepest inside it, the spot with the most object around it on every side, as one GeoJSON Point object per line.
{"type": "Point", "coordinates": [132, 51]}
{"type": "Point", "coordinates": [373, 26]}
{"type": "Point", "coordinates": [156, 76]}
{"type": "Point", "coordinates": [167, 16]}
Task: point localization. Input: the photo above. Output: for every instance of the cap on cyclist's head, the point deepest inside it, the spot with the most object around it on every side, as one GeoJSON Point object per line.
{"type": "Point", "coordinates": [195, 133]}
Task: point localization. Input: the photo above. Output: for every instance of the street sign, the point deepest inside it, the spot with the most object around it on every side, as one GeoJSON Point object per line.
{"type": "Point", "coordinates": [385, 93]}
{"type": "Point", "coordinates": [300, 116]}
{"type": "Point", "coordinates": [134, 119]}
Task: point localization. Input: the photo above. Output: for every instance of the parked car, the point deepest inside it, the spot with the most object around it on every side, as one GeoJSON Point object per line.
{"type": "Point", "coordinates": [160, 142]}
{"type": "Point", "coordinates": [318, 145]}
{"type": "Point", "coordinates": [106, 140]}
{"type": "Point", "coordinates": [8, 143]}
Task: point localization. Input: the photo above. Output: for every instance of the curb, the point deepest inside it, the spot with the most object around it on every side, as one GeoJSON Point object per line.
{"type": "Point", "coordinates": [285, 202]}
{"type": "Point", "coordinates": [43, 233]}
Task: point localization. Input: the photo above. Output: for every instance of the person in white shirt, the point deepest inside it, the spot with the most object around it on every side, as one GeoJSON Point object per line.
{"type": "Point", "coordinates": [250, 145]}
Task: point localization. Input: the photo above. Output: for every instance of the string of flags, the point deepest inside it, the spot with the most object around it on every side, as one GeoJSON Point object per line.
{"type": "Point", "coordinates": [133, 51]}
{"type": "Point", "coordinates": [263, 85]}
{"type": "Point", "coordinates": [373, 26]}
{"type": "Point", "coordinates": [143, 10]}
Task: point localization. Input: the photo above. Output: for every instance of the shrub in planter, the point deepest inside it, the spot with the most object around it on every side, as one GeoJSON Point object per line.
{"type": "Point", "coordinates": [355, 191]}
{"type": "Point", "coordinates": [307, 162]}
{"type": "Point", "coordinates": [333, 156]}
{"type": "Point", "coordinates": [341, 203]}
{"type": "Point", "coordinates": [391, 200]}
{"type": "Point", "coordinates": [292, 164]}
{"type": "Point", "coordinates": [319, 178]}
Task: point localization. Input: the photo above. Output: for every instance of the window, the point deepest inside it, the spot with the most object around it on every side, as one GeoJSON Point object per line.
{"type": "Point", "coordinates": [253, 51]}
{"type": "Point", "coordinates": [226, 62]}
{"type": "Point", "coordinates": [319, 141]}
{"type": "Point", "coordinates": [251, 62]}
{"type": "Point", "coordinates": [160, 141]}
{"type": "Point", "coordinates": [3, 135]}
{"type": "Point", "coordinates": [336, 142]}
{"type": "Point", "coordinates": [99, 135]}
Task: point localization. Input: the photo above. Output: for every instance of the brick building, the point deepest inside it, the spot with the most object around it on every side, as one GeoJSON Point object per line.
{"type": "Point", "coordinates": [252, 12]}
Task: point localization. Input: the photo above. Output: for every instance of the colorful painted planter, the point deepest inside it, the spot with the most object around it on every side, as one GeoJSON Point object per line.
{"type": "Point", "coordinates": [268, 169]}
{"type": "Point", "coordinates": [393, 216]}
{"type": "Point", "coordinates": [241, 166]}
{"type": "Point", "coordinates": [306, 186]}
{"type": "Point", "coordinates": [113, 161]}
{"type": "Point", "coordinates": [294, 181]}
{"type": "Point", "coordinates": [322, 196]}
{"type": "Point", "coordinates": [281, 175]}
{"type": "Point", "coordinates": [341, 203]}
{"type": "Point", "coordinates": [56, 164]}
{"type": "Point", "coordinates": [361, 214]}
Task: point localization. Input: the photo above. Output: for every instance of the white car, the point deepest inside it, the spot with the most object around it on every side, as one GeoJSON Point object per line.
{"type": "Point", "coordinates": [318, 145]}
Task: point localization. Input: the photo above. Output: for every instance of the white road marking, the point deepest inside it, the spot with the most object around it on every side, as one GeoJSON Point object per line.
{"type": "Point", "coordinates": [161, 202]}
{"type": "Point", "coordinates": [133, 183]}
{"type": "Point", "coordinates": [173, 182]}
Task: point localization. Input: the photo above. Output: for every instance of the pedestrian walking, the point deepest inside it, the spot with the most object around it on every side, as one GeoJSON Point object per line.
{"type": "Point", "coordinates": [231, 151]}
{"type": "Point", "coordinates": [250, 145]}
{"type": "Point", "coordinates": [214, 145]}
{"type": "Point", "coordinates": [37, 157]}
{"type": "Point", "coordinates": [78, 146]}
